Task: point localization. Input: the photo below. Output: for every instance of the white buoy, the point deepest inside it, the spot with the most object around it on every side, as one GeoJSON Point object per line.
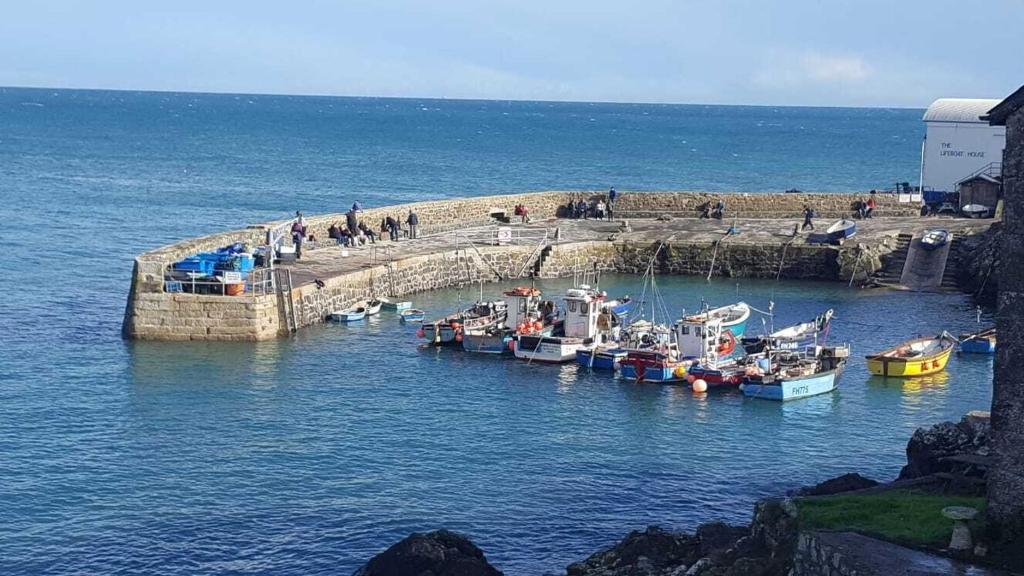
{"type": "Point", "coordinates": [700, 386]}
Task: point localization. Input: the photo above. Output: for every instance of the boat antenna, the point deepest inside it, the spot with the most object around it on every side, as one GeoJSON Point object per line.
{"type": "Point", "coordinates": [771, 313]}
{"type": "Point", "coordinates": [978, 315]}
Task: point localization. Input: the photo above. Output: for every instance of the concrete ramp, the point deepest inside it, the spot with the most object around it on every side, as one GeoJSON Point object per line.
{"type": "Point", "coordinates": [924, 269]}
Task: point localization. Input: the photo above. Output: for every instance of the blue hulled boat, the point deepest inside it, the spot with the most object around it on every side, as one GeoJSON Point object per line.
{"type": "Point", "coordinates": [983, 342]}
{"type": "Point", "coordinates": [794, 376]}
{"type": "Point", "coordinates": [841, 230]}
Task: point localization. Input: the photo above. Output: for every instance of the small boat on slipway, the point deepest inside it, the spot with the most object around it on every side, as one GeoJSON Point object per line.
{"type": "Point", "coordinates": [841, 230]}
{"type": "Point", "coordinates": [981, 342]}
{"type": "Point", "coordinates": [794, 375]}
{"type": "Point", "coordinates": [934, 239]}
{"type": "Point", "coordinates": [917, 357]}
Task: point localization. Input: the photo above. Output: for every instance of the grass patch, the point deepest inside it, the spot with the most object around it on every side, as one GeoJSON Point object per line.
{"type": "Point", "coordinates": [901, 516]}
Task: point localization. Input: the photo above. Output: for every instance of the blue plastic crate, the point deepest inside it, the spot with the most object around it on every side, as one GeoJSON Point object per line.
{"type": "Point", "coordinates": [194, 264]}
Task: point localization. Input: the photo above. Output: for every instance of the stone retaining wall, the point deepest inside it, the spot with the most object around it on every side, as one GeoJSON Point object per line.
{"type": "Point", "coordinates": [166, 316]}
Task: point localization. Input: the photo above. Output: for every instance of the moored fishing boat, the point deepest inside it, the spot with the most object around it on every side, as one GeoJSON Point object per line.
{"type": "Point", "coordinates": [349, 315]}
{"type": "Point", "coordinates": [981, 342]}
{"type": "Point", "coordinates": [410, 315]}
{"type": "Point", "coordinates": [794, 375]}
{"type": "Point", "coordinates": [916, 357]}
{"type": "Point", "coordinates": [732, 318]}
{"type": "Point", "coordinates": [578, 328]}
{"type": "Point", "coordinates": [606, 353]}
{"type": "Point", "coordinates": [841, 230]}
{"type": "Point", "coordinates": [661, 364]}
{"type": "Point", "coordinates": [525, 307]}
{"type": "Point", "coordinates": [448, 331]}
{"type": "Point", "coordinates": [934, 239]}
{"type": "Point", "coordinates": [792, 337]}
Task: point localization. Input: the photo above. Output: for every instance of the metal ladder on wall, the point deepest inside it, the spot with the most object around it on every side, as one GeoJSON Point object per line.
{"type": "Point", "coordinates": [283, 286]}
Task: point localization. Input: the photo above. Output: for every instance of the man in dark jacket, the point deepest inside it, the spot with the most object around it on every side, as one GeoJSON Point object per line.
{"type": "Point", "coordinates": [413, 220]}
{"type": "Point", "coordinates": [392, 226]}
{"type": "Point", "coordinates": [352, 222]}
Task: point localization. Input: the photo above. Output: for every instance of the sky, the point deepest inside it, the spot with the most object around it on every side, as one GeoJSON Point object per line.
{"type": "Point", "coordinates": [899, 53]}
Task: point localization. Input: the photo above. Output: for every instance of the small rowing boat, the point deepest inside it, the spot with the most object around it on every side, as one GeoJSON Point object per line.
{"type": "Point", "coordinates": [975, 210]}
{"type": "Point", "coordinates": [841, 230]}
{"type": "Point", "coordinates": [349, 315]}
{"type": "Point", "coordinates": [916, 357]}
{"type": "Point", "coordinates": [373, 307]}
{"type": "Point", "coordinates": [395, 305]}
{"type": "Point", "coordinates": [410, 315]}
{"type": "Point", "coordinates": [934, 239]}
{"type": "Point", "coordinates": [983, 342]}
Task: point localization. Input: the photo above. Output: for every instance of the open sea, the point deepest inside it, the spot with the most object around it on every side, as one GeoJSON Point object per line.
{"type": "Point", "coordinates": [309, 455]}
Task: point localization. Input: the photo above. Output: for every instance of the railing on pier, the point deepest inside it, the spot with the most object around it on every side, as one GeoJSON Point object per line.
{"type": "Point", "coordinates": [259, 282]}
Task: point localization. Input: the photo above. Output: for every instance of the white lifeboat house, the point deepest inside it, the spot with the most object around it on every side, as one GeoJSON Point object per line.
{"type": "Point", "coordinates": [958, 147]}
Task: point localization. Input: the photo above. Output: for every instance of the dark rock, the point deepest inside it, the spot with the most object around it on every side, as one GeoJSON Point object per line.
{"type": "Point", "coordinates": [439, 553]}
{"type": "Point", "coordinates": [749, 567]}
{"type": "Point", "coordinates": [928, 446]}
{"type": "Point", "coordinates": [719, 536]}
{"type": "Point", "coordinates": [837, 485]}
{"type": "Point", "coordinates": [773, 533]}
{"type": "Point", "coordinates": [653, 552]}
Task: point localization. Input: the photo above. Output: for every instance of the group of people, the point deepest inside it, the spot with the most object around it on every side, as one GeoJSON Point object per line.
{"type": "Point", "coordinates": [597, 208]}
{"type": "Point", "coordinates": [713, 209]}
{"type": "Point", "coordinates": [865, 208]}
{"type": "Point", "coordinates": [355, 232]}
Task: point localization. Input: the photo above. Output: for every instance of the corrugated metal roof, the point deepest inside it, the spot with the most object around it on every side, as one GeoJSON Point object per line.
{"type": "Point", "coordinates": [959, 110]}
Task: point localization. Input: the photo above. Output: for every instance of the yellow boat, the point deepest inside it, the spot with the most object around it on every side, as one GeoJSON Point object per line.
{"type": "Point", "coordinates": [917, 357]}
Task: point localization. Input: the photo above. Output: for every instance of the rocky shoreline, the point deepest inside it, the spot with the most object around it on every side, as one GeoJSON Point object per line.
{"type": "Point", "coordinates": [771, 545]}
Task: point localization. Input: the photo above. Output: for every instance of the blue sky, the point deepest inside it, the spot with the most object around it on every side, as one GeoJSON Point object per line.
{"type": "Point", "coordinates": [807, 52]}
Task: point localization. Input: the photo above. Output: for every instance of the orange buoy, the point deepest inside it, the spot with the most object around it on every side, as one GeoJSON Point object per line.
{"type": "Point", "coordinates": [700, 386]}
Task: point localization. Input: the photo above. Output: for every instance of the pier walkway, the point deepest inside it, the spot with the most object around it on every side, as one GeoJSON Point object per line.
{"type": "Point", "coordinates": [327, 260]}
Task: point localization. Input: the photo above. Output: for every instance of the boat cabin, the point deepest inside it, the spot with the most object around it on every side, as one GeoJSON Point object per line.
{"type": "Point", "coordinates": [705, 340]}
{"type": "Point", "coordinates": [583, 305]}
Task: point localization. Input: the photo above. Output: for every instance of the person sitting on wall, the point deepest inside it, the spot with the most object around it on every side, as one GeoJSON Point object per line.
{"type": "Point", "coordinates": [705, 211]}
{"type": "Point", "coordinates": [334, 232]}
{"type": "Point", "coordinates": [368, 232]}
{"type": "Point", "coordinates": [870, 206]}
{"type": "Point", "coordinates": [719, 209]}
{"type": "Point", "coordinates": [344, 237]}
{"type": "Point", "coordinates": [581, 207]}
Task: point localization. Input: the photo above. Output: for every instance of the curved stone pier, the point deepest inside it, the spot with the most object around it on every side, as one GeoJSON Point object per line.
{"type": "Point", "coordinates": [446, 255]}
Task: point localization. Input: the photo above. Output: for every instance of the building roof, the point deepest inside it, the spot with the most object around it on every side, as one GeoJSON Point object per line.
{"type": "Point", "coordinates": [998, 114]}
{"type": "Point", "coordinates": [967, 110]}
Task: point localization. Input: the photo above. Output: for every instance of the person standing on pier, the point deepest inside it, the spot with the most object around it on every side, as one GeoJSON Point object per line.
{"type": "Point", "coordinates": [298, 233]}
{"type": "Point", "coordinates": [352, 223]}
{"type": "Point", "coordinates": [413, 220]}
{"type": "Point", "coordinates": [612, 195]}
{"type": "Point", "coordinates": [808, 214]}
{"type": "Point", "coordinates": [392, 226]}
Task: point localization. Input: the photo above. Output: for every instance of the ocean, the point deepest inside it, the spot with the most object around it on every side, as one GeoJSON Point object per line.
{"type": "Point", "coordinates": [309, 455]}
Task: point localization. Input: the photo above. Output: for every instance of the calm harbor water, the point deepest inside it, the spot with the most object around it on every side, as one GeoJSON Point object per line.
{"type": "Point", "coordinates": [308, 455]}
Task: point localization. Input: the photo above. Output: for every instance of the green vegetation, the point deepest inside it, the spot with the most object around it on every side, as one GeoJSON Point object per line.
{"type": "Point", "coordinates": [900, 516]}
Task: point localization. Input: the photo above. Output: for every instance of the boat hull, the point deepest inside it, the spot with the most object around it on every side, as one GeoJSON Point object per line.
{"type": "Point", "coordinates": [485, 343]}
{"type": "Point", "coordinates": [663, 373]}
{"type": "Point", "coordinates": [607, 359]}
{"type": "Point", "coordinates": [549, 349]}
{"type": "Point", "coordinates": [793, 388]}
{"type": "Point", "coordinates": [715, 377]}
{"type": "Point", "coordinates": [900, 367]}
{"type": "Point", "coordinates": [978, 346]}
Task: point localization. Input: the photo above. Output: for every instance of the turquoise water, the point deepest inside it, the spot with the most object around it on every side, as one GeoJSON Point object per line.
{"type": "Point", "coordinates": [310, 454]}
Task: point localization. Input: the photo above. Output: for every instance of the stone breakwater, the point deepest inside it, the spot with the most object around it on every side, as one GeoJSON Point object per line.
{"type": "Point", "coordinates": [766, 250]}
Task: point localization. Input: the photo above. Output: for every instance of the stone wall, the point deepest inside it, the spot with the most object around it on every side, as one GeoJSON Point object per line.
{"type": "Point", "coordinates": [166, 316]}
{"type": "Point", "coordinates": [408, 276]}
{"type": "Point", "coordinates": [733, 260]}
{"type": "Point", "coordinates": [1006, 481]}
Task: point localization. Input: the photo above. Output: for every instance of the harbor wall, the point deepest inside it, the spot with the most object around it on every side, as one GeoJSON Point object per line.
{"type": "Point", "coordinates": [150, 313]}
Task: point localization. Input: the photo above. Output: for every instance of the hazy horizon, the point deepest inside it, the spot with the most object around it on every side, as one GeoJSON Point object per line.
{"type": "Point", "coordinates": [453, 99]}
{"type": "Point", "coordinates": [875, 53]}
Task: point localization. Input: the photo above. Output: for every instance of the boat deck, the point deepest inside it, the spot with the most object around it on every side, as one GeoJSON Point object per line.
{"type": "Point", "coordinates": [326, 260]}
